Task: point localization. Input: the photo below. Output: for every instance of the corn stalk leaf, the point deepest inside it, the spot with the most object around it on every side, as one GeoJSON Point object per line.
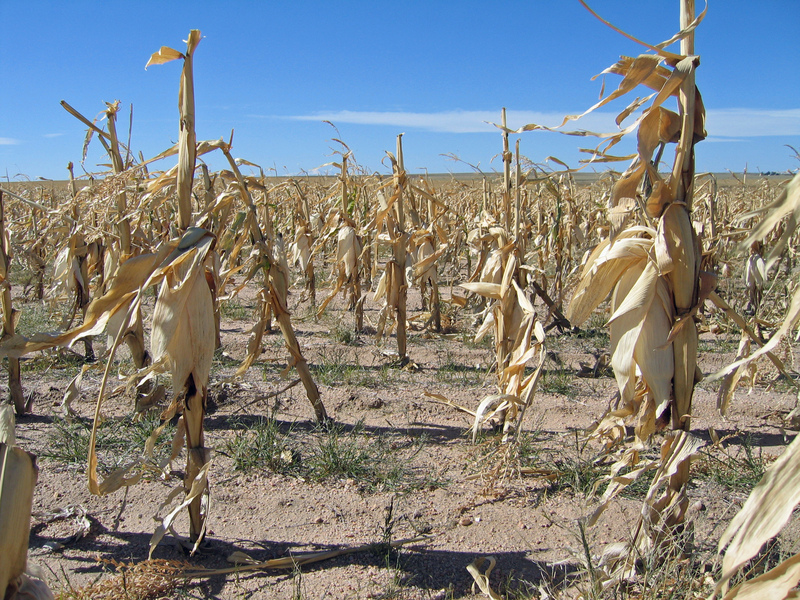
{"type": "Point", "coordinates": [164, 55]}
{"type": "Point", "coordinates": [765, 512]}
{"type": "Point", "coordinates": [788, 203]}
{"type": "Point", "coordinates": [482, 579]}
{"type": "Point", "coordinates": [18, 473]}
{"type": "Point", "coordinates": [775, 583]}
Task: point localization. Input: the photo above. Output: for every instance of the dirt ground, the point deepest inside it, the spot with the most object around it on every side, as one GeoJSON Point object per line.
{"type": "Point", "coordinates": [413, 472]}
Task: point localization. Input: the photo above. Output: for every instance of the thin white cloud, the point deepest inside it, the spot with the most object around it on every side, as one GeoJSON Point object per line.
{"type": "Point", "coordinates": [4, 141]}
{"type": "Point", "coordinates": [713, 139]}
{"type": "Point", "coordinates": [749, 122]}
{"type": "Point", "coordinates": [53, 135]}
{"type": "Point", "coordinates": [455, 121]}
{"type": "Point", "coordinates": [721, 123]}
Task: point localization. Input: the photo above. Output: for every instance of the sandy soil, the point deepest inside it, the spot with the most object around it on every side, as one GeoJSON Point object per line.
{"type": "Point", "coordinates": [528, 523]}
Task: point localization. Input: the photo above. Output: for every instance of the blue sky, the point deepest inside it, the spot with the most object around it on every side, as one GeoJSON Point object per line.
{"type": "Point", "coordinates": [436, 71]}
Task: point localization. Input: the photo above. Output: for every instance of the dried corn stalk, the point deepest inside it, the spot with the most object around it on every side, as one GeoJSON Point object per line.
{"type": "Point", "coordinates": [393, 284]}
{"type": "Point", "coordinates": [654, 276]}
{"type": "Point", "coordinates": [16, 395]}
{"type": "Point", "coordinates": [348, 252]}
{"type": "Point", "coordinates": [786, 206]}
{"type": "Point", "coordinates": [424, 257]}
{"type": "Point", "coordinates": [119, 248]}
{"type": "Point", "coordinates": [301, 247]}
{"type": "Point", "coordinates": [182, 342]}
{"type": "Point", "coordinates": [276, 289]}
{"type": "Point", "coordinates": [187, 141]}
{"type": "Point", "coordinates": [512, 320]}
{"type": "Point", "coordinates": [755, 276]}
{"type": "Point", "coordinates": [183, 332]}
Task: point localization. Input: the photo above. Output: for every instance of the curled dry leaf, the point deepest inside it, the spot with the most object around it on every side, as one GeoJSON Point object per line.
{"type": "Point", "coordinates": [482, 579]}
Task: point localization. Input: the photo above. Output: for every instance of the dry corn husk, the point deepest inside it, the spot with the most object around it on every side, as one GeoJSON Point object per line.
{"type": "Point", "coordinates": [423, 256]}
{"type": "Point", "coordinates": [348, 249]}
{"type": "Point", "coordinates": [388, 289]}
{"type": "Point", "coordinates": [640, 324]}
{"type": "Point", "coordinates": [183, 318]}
{"type": "Point", "coordinates": [755, 273]}
{"type": "Point", "coordinates": [66, 272]}
{"type": "Point", "coordinates": [301, 247]}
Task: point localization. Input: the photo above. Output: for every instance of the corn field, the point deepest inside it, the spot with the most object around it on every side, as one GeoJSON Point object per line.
{"type": "Point", "coordinates": [197, 328]}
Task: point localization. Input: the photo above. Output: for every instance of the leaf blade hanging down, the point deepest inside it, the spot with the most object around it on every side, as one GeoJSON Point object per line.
{"type": "Point", "coordinates": [728, 386]}
{"type": "Point", "coordinates": [199, 487]}
{"type": "Point", "coordinates": [764, 514]}
{"type": "Point", "coordinates": [18, 474]}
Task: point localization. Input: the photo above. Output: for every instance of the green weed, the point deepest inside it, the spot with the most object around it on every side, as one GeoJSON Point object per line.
{"type": "Point", "coordinates": [260, 445]}
{"type": "Point", "coordinates": [453, 372]}
{"type": "Point", "coordinates": [558, 381]}
{"type": "Point", "coordinates": [119, 441]}
{"type": "Point", "coordinates": [337, 366]}
{"type": "Point", "coordinates": [738, 469]}
{"type": "Point", "coordinates": [236, 310]}
{"type": "Point", "coordinates": [332, 451]}
{"type": "Point", "coordinates": [718, 344]}
{"type": "Point", "coordinates": [344, 333]}
{"type": "Point", "coordinates": [575, 467]}
{"type": "Point", "coordinates": [373, 460]}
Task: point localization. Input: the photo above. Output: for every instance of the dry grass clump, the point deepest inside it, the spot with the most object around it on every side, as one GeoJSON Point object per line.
{"type": "Point", "coordinates": [145, 580]}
